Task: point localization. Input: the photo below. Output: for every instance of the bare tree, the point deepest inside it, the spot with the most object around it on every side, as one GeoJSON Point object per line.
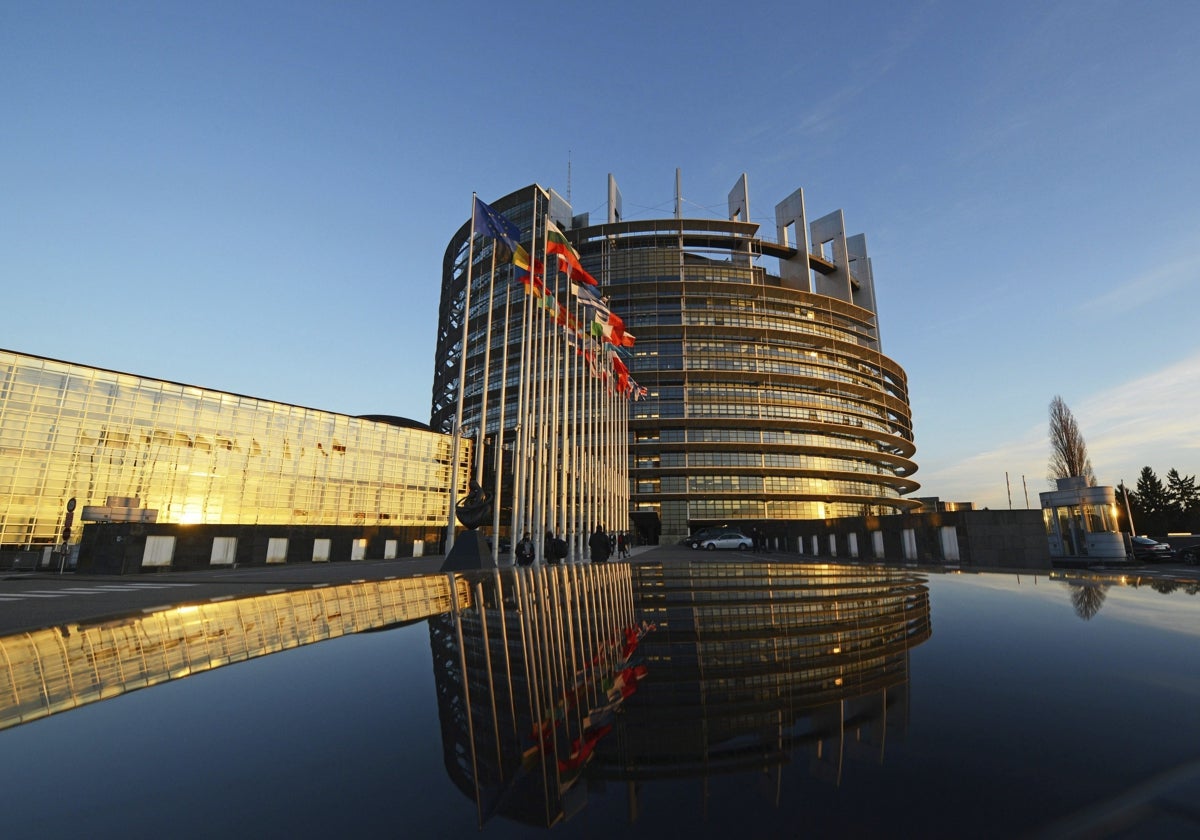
{"type": "Point", "coordinates": [1068, 452]}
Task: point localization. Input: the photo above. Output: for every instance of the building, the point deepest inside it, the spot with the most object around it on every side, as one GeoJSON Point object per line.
{"type": "Point", "coordinates": [768, 396]}
{"type": "Point", "coordinates": [154, 459]}
{"type": "Point", "coordinates": [1082, 522]}
{"type": "Point", "coordinates": [518, 370]}
{"type": "Point", "coordinates": [770, 399]}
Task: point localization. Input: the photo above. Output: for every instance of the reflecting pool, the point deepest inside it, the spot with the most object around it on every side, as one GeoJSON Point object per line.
{"type": "Point", "coordinates": [701, 698]}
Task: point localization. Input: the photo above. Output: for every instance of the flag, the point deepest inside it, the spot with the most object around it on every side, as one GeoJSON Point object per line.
{"type": "Point", "coordinates": [534, 285]}
{"type": "Point", "coordinates": [490, 223]}
{"type": "Point", "coordinates": [568, 257]}
{"type": "Point", "coordinates": [587, 296]}
{"type": "Point", "coordinates": [610, 327]}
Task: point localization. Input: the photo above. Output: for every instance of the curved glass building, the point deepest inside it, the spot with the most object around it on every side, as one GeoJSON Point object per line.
{"type": "Point", "coordinates": [768, 398]}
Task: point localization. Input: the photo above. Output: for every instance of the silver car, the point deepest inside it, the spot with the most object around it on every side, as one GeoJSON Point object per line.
{"type": "Point", "coordinates": [728, 539]}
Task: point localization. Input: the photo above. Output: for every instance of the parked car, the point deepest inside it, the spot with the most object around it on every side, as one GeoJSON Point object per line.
{"type": "Point", "coordinates": [695, 540]}
{"type": "Point", "coordinates": [1151, 551]}
{"type": "Point", "coordinates": [728, 539]}
{"type": "Point", "coordinates": [1190, 554]}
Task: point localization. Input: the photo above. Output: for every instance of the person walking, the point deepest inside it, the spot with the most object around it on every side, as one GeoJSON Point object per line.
{"type": "Point", "coordinates": [550, 549]}
{"type": "Point", "coordinates": [599, 545]}
{"type": "Point", "coordinates": [525, 551]}
{"type": "Point", "coordinates": [622, 545]}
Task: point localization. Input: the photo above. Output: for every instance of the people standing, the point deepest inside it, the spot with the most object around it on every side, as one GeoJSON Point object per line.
{"type": "Point", "coordinates": [550, 549]}
{"type": "Point", "coordinates": [622, 545]}
{"type": "Point", "coordinates": [599, 545]}
{"type": "Point", "coordinates": [525, 551]}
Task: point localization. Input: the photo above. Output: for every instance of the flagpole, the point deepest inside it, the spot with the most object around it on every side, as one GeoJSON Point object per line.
{"type": "Point", "coordinates": [524, 394]}
{"type": "Point", "coordinates": [513, 535]}
{"type": "Point", "coordinates": [462, 381]}
{"type": "Point", "coordinates": [483, 397]}
{"type": "Point", "coordinates": [541, 383]}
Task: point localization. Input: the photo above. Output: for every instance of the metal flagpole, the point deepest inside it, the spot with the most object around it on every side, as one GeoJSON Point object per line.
{"type": "Point", "coordinates": [462, 381]}
{"type": "Point", "coordinates": [552, 388]}
{"type": "Point", "coordinates": [540, 449]}
{"type": "Point", "coordinates": [514, 536]}
{"type": "Point", "coordinates": [481, 433]}
{"type": "Point", "coordinates": [522, 426]}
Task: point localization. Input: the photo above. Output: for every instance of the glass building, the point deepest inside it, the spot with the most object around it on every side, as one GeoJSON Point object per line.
{"type": "Point", "coordinates": [768, 397]}
{"type": "Point", "coordinates": [539, 392]}
{"type": "Point", "coordinates": [132, 449]}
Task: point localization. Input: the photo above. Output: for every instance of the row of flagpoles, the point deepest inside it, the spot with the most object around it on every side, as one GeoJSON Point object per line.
{"type": "Point", "coordinates": [569, 434]}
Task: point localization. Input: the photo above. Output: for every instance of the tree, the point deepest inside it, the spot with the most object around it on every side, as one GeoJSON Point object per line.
{"type": "Point", "coordinates": [1154, 503]}
{"type": "Point", "coordinates": [1183, 499]}
{"type": "Point", "coordinates": [1068, 451]}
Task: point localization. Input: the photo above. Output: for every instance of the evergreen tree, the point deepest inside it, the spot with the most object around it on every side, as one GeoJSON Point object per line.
{"type": "Point", "coordinates": [1154, 503]}
{"type": "Point", "coordinates": [1183, 500]}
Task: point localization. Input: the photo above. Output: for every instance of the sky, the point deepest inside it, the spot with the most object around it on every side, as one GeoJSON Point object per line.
{"type": "Point", "coordinates": [256, 196]}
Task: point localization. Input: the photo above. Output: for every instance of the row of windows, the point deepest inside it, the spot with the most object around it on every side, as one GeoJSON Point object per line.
{"type": "Point", "coordinates": [644, 410]}
{"type": "Point", "coordinates": [698, 460]}
{"type": "Point", "coordinates": [761, 484]}
{"type": "Point", "coordinates": [754, 436]}
{"type": "Point", "coordinates": [729, 392]}
{"type": "Point", "coordinates": [707, 509]}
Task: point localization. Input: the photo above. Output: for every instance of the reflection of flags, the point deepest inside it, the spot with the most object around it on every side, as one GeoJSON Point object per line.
{"type": "Point", "coordinates": [490, 223]}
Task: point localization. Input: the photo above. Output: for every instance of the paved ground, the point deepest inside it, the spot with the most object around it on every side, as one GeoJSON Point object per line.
{"type": "Point", "coordinates": [32, 600]}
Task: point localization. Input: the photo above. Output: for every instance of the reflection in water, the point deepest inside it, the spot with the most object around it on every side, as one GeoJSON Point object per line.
{"type": "Point", "coordinates": [60, 668]}
{"type": "Point", "coordinates": [1089, 590]}
{"type": "Point", "coordinates": [745, 665]}
{"type": "Point", "coordinates": [1087, 597]}
{"type": "Point", "coordinates": [753, 663]}
{"type": "Point", "coordinates": [528, 681]}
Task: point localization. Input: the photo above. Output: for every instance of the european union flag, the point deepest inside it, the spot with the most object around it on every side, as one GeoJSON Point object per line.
{"type": "Point", "coordinates": [490, 223]}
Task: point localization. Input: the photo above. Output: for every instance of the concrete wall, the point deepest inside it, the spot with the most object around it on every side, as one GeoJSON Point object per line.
{"type": "Point", "coordinates": [981, 538]}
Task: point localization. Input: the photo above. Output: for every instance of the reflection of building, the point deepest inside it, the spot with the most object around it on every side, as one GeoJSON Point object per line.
{"type": "Point", "coordinates": [754, 665]}
{"type": "Point", "coordinates": [768, 397]}
{"type": "Point", "coordinates": [538, 651]}
{"type": "Point", "coordinates": [71, 665]}
{"type": "Point", "coordinates": [1081, 522]}
{"type": "Point", "coordinates": [160, 455]}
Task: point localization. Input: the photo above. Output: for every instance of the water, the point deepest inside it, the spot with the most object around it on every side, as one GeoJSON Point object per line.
{"type": "Point", "coordinates": [1009, 703]}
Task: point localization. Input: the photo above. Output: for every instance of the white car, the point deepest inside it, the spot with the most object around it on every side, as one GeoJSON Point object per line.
{"type": "Point", "coordinates": [729, 539]}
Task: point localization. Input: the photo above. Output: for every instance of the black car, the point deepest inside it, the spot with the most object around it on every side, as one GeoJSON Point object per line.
{"type": "Point", "coordinates": [1190, 554]}
{"type": "Point", "coordinates": [700, 536]}
{"type": "Point", "coordinates": [1151, 551]}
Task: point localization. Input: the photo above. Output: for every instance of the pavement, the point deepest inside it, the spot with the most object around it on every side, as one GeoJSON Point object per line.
{"type": "Point", "coordinates": [36, 599]}
{"type": "Point", "coordinates": [33, 600]}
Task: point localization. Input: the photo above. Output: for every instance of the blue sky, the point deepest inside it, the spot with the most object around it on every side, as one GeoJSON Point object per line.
{"type": "Point", "coordinates": [255, 197]}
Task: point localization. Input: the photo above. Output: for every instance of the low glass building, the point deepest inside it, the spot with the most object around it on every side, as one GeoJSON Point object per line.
{"type": "Point", "coordinates": [136, 450]}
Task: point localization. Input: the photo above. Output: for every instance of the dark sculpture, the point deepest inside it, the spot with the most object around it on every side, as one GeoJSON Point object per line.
{"type": "Point", "coordinates": [474, 510]}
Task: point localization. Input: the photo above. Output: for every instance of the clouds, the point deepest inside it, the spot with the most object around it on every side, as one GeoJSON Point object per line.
{"type": "Point", "coordinates": [1153, 420]}
{"type": "Point", "coordinates": [1148, 287]}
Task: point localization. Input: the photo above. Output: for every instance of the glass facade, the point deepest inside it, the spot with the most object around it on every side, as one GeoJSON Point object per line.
{"type": "Point", "coordinates": [768, 399]}
{"type": "Point", "coordinates": [537, 387]}
{"type": "Point", "coordinates": [767, 395]}
{"type": "Point", "coordinates": [195, 456]}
